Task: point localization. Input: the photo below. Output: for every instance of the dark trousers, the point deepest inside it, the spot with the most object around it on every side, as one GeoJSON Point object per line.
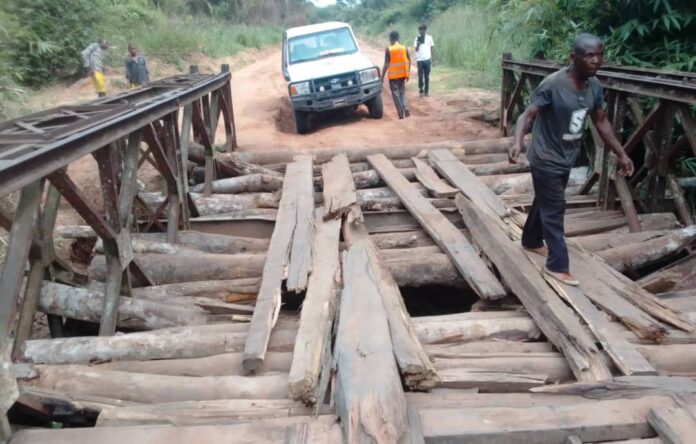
{"type": "Point", "coordinates": [424, 76]}
{"type": "Point", "coordinates": [545, 219]}
{"type": "Point", "coordinates": [398, 91]}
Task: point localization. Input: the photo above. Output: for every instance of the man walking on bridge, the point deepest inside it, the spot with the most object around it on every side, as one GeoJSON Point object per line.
{"type": "Point", "coordinates": [93, 62]}
{"type": "Point", "coordinates": [397, 65]}
{"type": "Point", "coordinates": [424, 46]}
{"type": "Point", "coordinates": [558, 109]}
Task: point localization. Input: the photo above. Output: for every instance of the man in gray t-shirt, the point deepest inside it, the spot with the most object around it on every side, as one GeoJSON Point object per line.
{"type": "Point", "coordinates": [559, 107]}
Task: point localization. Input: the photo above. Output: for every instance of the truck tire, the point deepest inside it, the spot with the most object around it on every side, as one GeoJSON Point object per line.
{"type": "Point", "coordinates": [374, 107]}
{"type": "Point", "coordinates": [302, 122]}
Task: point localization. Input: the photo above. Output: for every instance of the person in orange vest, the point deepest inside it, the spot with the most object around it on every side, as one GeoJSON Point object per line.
{"type": "Point", "coordinates": [397, 66]}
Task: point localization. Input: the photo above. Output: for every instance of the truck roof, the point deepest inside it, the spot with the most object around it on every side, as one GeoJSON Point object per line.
{"type": "Point", "coordinates": [311, 29]}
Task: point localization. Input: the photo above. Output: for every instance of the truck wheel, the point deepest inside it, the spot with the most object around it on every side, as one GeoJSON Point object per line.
{"type": "Point", "coordinates": [302, 122]}
{"type": "Point", "coordinates": [374, 107]}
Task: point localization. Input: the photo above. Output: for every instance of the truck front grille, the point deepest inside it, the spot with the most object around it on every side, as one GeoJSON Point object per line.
{"type": "Point", "coordinates": [337, 82]}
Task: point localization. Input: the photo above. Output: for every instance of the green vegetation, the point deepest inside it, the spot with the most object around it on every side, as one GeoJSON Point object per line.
{"type": "Point", "coordinates": [41, 40]}
{"type": "Point", "coordinates": [472, 34]}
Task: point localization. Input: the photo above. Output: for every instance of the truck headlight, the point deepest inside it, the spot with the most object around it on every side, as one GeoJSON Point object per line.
{"type": "Point", "coordinates": [369, 75]}
{"type": "Point", "coordinates": [299, 89]}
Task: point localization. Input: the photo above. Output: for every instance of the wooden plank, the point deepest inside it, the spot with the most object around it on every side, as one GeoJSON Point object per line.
{"type": "Point", "coordinates": [602, 420]}
{"type": "Point", "coordinates": [268, 300]}
{"type": "Point", "coordinates": [318, 311]}
{"type": "Point", "coordinates": [626, 357]}
{"type": "Point", "coordinates": [300, 264]}
{"type": "Point", "coordinates": [444, 233]}
{"type": "Point", "coordinates": [430, 180]}
{"type": "Point", "coordinates": [339, 195]}
{"type": "Point", "coordinates": [369, 398]}
{"type": "Point", "coordinates": [555, 319]}
{"type": "Point", "coordinates": [673, 424]}
{"type": "Point", "coordinates": [489, 381]}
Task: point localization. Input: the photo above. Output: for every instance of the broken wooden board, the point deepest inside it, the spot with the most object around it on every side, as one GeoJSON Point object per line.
{"type": "Point", "coordinates": [461, 177]}
{"type": "Point", "coordinates": [624, 386]}
{"type": "Point", "coordinates": [339, 189]}
{"type": "Point", "coordinates": [300, 265]}
{"type": "Point", "coordinates": [318, 311]}
{"type": "Point", "coordinates": [449, 238]}
{"type": "Point", "coordinates": [369, 398]}
{"type": "Point", "coordinates": [555, 319]}
{"type": "Point", "coordinates": [431, 181]}
{"type": "Point", "coordinates": [279, 258]}
{"type": "Point", "coordinates": [673, 424]}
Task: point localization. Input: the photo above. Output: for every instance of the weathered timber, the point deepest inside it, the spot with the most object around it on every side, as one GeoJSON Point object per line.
{"type": "Point", "coordinates": [231, 165]}
{"type": "Point", "coordinates": [219, 203]}
{"type": "Point", "coordinates": [550, 364]}
{"type": "Point", "coordinates": [676, 276]}
{"type": "Point", "coordinates": [625, 386]}
{"type": "Point", "coordinates": [653, 221]}
{"type": "Point", "coordinates": [234, 290]}
{"type": "Point", "coordinates": [177, 343]}
{"type": "Point", "coordinates": [554, 318]}
{"type": "Point", "coordinates": [463, 327]}
{"type": "Point", "coordinates": [369, 399]}
{"type": "Point", "coordinates": [370, 178]}
{"type": "Point", "coordinates": [451, 240]}
{"type": "Point", "coordinates": [152, 247]}
{"type": "Point", "coordinates": [146, 388]}
{"type": "Point", "coordinates": [188, 413]}
{"type": "Point", "coordinates": [273, 431]}
{"type": "Point", "coordinates": [318, 312]}
{"type": "Point", "coordinates": [675, 425]}
{"type": "Point", "coordinates": [634, 256]}
{"type": "Point", "coordinates": [275, 269]}
{"type": "Point", "coordinates": [486, 381]}
{"type": "Point", "coordinates": [300, 262]}
{"type": "Point", "coordinates": [431, 181]}
{"type": "Point", "coordinates": [414, 364]}
{"type": "Point", "coordinates": [226, 364]}
{"type": "Point", "coordinates": [339, 191]}
{"type": "Point", "coordinates": [603, 420]}
{"type": "Point", "coordinates": [252, 183]}
{"type": "Point", "coordinates": [484, 146]}
{"type": "Point", "coordinates": [462, 178]}
{"type": "Point", "coordinates": [464, 399]}
{"type": "Point", "coordinates": [137, 314]}
{"type": "Point", "coordinates": [605, 241]}
{"type": "Point", "coordinates": [210, 242]}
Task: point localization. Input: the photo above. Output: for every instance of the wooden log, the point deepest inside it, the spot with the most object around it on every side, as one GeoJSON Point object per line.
{"type": "Point", "coordinates": [153, 247]}
{"type": "Point", "coordinates": [406, 239]}
{"type": "Point", "coordinates": [137, 314]}
{"type": "Point", "coordinates": [603, 420]}
{"type": "Point", "coordinates": [231, 165]}
{"type": "Point", "coordinates": [654, 221]}
{"type": "Point", "coordinates": [414, 364]}
{"type": "Point", "coordinates": [318, 310]}
{"type": "Point", "coordinates": [252, 183]}
{"type": "Point", "coordinates": [74, 232]}
{"type": "Point", "coordinates": [371, 179]}
{"type": "Point", "coordinates": [625, 386]}
{"type": "Point", "coordinates": [210, 242]}
{"type": "Point", "coordinates": [484, 146]}
{"type": "Point", "coordinates": [369, 399]}
{"type": "Point", "coordinates": [178, 343]}
{"type": "Point", "coordinates": [675, 425]}
{"type": "Point", "coordinates": [146, 388]}
{"type": "Point", "coordinates": [226, 364]}
{"type": "Point", "coordinates": [188, 413]}
{"type": "Point", "coordinates": [605, 241]}
{"type": "Point", "coordinates": [553, 317]}
{"type": "Point", "coordinates": [231, 291]}
{"type": "Point", "coordinates": [410, 267]}
{"type": "Point", "coordinates": [676, 276]}
{"type": "Point", "coordinates": [219, 203]}
{"type": "Point", "coordinates": [550, 364]}
{"type": "Point", "coordinates": [634, 256]}
{"type": "Point", "coordinates": [469, 264]}
{"type": "Point", "coordinates": [431, 181]}
{"type": "Point", "coordinates": [273, 431]}
{"type": "Point", "coordinates": [463, 327]}
{"type": "Point", "coordinates": [465, 399]}
{"type": "Point", "coordinates": [339, 192]}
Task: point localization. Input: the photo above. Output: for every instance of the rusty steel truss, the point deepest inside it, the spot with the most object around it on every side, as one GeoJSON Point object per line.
{"type": "Point", "coordinates": [152, 124]}
{"type": "Point", "coordinates": [650, 112]}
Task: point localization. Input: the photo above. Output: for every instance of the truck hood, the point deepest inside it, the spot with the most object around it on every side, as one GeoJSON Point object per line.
{"type": "Point", "coordinates": [329, 66]}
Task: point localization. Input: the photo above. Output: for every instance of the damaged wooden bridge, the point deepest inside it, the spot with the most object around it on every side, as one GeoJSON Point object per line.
{"type": "Point", "coordinates": [342, 295]}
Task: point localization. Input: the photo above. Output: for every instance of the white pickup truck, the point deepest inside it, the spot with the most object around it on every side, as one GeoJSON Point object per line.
{"type": "Point", "coordinates": [325, 70]}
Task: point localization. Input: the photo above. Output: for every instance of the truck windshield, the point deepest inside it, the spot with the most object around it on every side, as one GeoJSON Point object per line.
{"type": "Point", "coordinates": [321, 44]}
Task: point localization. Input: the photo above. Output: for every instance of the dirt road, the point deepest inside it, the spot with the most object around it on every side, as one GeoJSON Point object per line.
{"type": "Point", "coordinates": [265, 121]}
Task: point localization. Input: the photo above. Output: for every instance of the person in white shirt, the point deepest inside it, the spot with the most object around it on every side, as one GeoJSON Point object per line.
{"type": "Point", "coordinates": [424, 46]}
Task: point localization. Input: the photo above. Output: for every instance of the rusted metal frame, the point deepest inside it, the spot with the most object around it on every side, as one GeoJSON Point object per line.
{"type": "Point", "coordinates": [21, 236]}
{"type": "Point", "coordinates": [108, 165]}
{"type": "Point", "coordinates": [689, 125]}
{"type": "Point", "coordinates": [184, 141]}
{"type": "Point", "coordinates": [39, 268]}
{"type": "Point", "coordinates": [145, 156]}
{"type": "Point", "coordinates": [43, 161]}
{"type": "Point", "coordinates": [162, 163]}
{"type": "Point", "coordinates": [624, 193]}
{"type": "Point", "coordinates": [505, 93]}
{"type": "Point", "coordinates": [643, 127]}
{"type": "Point", "coordinates": [603, 161]}
{"type": "Point", "coordinates": [679, 200]}
{"type": "Point", "coordinates": [617, 114]}
{"type": "Point", "coordinates": [658, 177]}
{"type": "Point", "coordinates": [199, 129]}
{"type": "Point", "coordinates": [214, 113]}
{"type": "Point", "coordinates": [171, 141]}
{"type": "Point", "coordinates": [152, 218]}
{"type": "Point", "coordinates": [515, 101]}
{"type": "Point", "coordinates": [229, 115]}
{"type": "Point", "coordinates": [224, 110]}
{"type": "Point", "coordinates": [207, 118]}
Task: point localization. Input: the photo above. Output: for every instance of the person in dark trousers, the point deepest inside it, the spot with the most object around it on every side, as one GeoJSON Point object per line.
{"type": "Point", "coordinates": [397, 66]}
{"type": "Point", "coordinates": [424, 46]}
{"type": "Point", "coordinates": [558, 108]}
{"type": "Point", "coordinates": [137, 74]}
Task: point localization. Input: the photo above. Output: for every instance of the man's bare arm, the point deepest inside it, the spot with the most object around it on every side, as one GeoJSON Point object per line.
{"type": "Point", "coordinates": [522, 128]}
